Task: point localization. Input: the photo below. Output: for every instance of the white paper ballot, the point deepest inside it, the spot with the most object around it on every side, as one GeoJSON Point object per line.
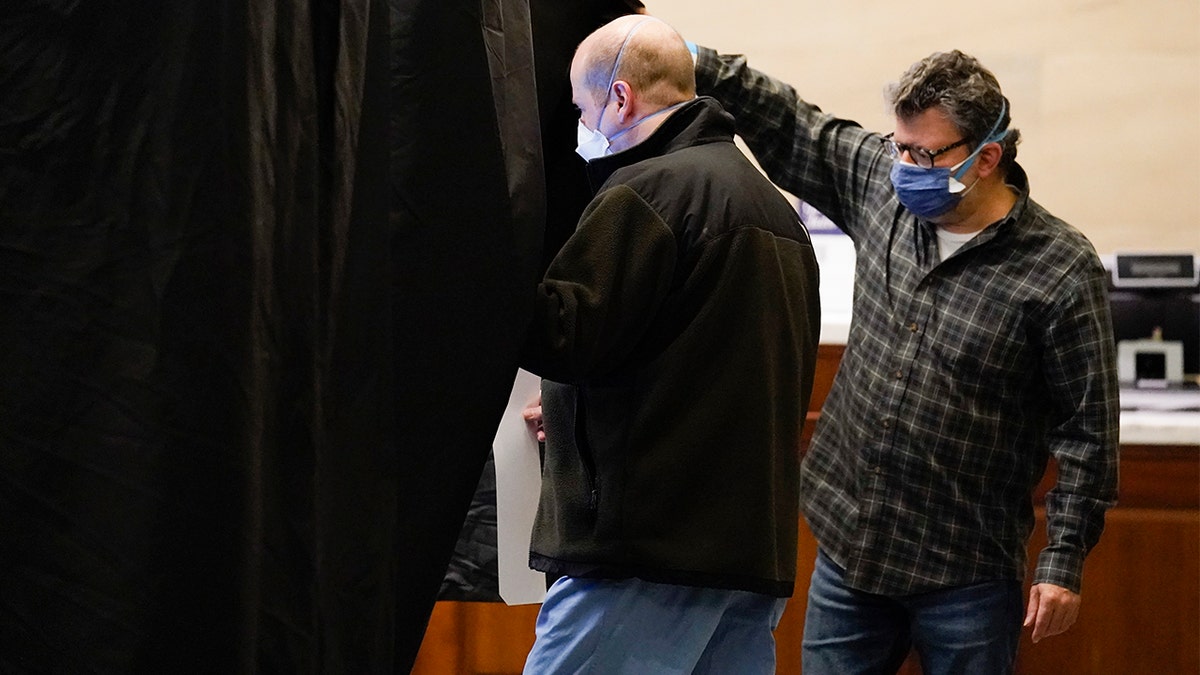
{"type": "Point", "coordinates": [518, 483]}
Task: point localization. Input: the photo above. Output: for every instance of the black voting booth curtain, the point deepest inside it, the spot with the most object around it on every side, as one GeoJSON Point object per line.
{"type": "Point", "coordinates": [264, 268]}
{"type": "Point", "coordinates": [197, 469]}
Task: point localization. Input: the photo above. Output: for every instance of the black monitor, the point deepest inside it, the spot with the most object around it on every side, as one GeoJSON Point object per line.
{"type": "Point", "coordinates": [1136, 313]}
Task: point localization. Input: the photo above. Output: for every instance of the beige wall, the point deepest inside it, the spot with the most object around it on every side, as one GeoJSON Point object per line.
{"type": "Point", "coordinates": [1106, 92]}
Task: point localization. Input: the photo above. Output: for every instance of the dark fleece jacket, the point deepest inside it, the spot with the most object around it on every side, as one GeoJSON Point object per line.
{"type": "Point", "coordinates": [677, 331]}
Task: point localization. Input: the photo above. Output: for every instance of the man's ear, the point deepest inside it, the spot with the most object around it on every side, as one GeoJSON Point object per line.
{"type": "Point", "coordinates": [623, 94]}
{"type": "Point", "coordinates": [989, 159]}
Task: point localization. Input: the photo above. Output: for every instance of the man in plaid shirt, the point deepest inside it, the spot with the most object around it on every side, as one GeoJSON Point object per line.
{"type": "Point", "coordinates": [980, 346]}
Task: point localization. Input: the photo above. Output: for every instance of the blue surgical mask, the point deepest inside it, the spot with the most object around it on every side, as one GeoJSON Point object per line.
{"type": "Point", "coordinates": [929, 193]}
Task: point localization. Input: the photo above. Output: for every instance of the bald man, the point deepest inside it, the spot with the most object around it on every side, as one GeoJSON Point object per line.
{"type": "Point", "coordinates": [676, 331]}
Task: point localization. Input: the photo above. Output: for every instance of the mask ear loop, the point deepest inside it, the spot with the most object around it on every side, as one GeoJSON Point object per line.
{"type": "Point", "coordinates": [992, 137]}
{"type": "Point", "coordinates": [651, 116]}
{"type": "Point", "coordinates": [612, 76]}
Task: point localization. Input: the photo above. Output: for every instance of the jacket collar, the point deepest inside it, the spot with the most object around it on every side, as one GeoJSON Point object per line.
{"type": "Point", "coordinates": [701, 120]}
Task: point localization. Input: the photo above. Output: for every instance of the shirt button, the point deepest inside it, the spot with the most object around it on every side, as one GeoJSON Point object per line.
{"type": "Point", "coordinates": [887, 424]}
{"type": "Point", "coordinates": [912, 327]}
{"type": "Point", "coordinates": [899, 374]}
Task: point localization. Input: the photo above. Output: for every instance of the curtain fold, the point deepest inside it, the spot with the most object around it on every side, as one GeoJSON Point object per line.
{"type": "Point", "coordinates": [467, 207]}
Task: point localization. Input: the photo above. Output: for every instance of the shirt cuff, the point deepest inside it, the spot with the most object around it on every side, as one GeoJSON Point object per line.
{"type": "Point", "coordinates": [1060, 568]}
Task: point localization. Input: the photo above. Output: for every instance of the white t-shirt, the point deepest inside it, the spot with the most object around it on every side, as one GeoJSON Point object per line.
{"type": "Point", "coordinates": [949, 242]}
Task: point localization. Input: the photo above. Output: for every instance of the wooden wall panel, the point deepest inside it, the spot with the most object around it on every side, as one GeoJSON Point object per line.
{"type": "Point", "coordinates": [1141, 600]}
{"type": "Point", "coordinates": [477, 638]}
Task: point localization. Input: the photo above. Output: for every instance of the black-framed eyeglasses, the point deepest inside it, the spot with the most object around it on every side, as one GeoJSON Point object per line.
{"type": "Point", "coordinates": [920, 156]}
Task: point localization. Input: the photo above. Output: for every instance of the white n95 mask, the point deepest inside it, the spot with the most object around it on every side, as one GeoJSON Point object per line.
{"type": "Point", "coordinates": [592, 143]}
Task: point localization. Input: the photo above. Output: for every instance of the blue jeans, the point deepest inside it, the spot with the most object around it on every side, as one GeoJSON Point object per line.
{"type": "Point", "coordinates": [635, 627]}
{"type": "Point", "coordinates": [966, 630]}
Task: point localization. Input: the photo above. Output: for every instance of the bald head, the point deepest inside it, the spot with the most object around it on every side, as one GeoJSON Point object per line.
{"type": "Point", "coordinates": [655, 62]}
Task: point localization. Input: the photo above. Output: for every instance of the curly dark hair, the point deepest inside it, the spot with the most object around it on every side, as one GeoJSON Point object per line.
{"type": "Point", "coordinates": [969, 95]}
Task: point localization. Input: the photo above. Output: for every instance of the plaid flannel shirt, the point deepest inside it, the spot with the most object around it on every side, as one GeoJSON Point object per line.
{"type": "Point", "coordinates": [960, 377]}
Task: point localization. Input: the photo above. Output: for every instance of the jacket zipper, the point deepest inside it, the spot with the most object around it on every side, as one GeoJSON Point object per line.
{"type": "Point", "coordinates": [585, 452]}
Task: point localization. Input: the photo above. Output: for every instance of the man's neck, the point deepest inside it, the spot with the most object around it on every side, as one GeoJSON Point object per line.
{"type": "Point", "coordinates": [639, 133]}
{"type": "Point", "coordinates": [992, 202]}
